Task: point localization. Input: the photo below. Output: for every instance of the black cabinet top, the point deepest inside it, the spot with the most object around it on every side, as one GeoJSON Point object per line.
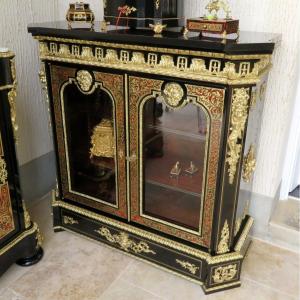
{"type": "Point", "coordinates": [248, 43]}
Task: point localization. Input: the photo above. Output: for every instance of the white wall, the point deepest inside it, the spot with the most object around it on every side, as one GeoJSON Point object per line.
{"type": "Point", "coordinates": [15, 15]}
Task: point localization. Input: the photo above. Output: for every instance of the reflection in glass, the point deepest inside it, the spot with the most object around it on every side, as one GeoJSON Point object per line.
{"type": "Point", "coordinates": [89, 128]}
{"type": "Point", "coordinates": [174, 149]}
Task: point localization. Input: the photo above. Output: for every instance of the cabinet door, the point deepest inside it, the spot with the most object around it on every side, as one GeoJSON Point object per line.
{"type": "Point", "coordinates": [175, 136]}
{"type": "Point", "coordinates": [89, 118]}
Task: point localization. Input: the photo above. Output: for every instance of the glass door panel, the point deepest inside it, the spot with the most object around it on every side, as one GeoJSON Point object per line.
{"type": "Point", "coordinates": [90, 143]}
{"type": "Point", "coordinates": [89, 112]}
{"type": "Point", "coordinates": [174, 147]}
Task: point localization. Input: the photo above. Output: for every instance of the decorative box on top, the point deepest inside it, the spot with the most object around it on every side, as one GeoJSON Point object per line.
{"type": "Point", "coordinates": [213, 23]}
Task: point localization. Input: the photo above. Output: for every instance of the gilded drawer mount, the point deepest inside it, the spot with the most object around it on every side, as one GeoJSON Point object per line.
{"type": "Point", "coordinates": [124, 241]}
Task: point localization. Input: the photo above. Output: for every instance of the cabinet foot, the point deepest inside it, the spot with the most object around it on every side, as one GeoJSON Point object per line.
{"type": "Point", "coordinates": [29, 261]}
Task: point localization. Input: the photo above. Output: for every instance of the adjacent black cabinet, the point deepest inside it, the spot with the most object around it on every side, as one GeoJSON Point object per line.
{"type": "Point", "coordinates": [20, 239]}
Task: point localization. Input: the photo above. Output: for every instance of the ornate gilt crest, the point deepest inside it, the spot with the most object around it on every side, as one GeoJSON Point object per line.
{"type": "Point", "coordinates": [173, 94]}
{"type": "Point", "coordinates": [84, 80]}
{"type": "Point", "coordinates": [223, 274]}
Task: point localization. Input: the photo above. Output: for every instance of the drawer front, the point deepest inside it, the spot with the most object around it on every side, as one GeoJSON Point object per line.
{"type": "Point", "coordinates": [135, 245]}
{"type": "Point", "coordinates": [199, 26]}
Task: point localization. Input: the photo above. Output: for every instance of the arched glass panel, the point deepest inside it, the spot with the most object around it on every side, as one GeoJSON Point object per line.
{"type": "Point", "coordinates": [90, 143]}
{"type": "Point", "coordinates": [173, 163]}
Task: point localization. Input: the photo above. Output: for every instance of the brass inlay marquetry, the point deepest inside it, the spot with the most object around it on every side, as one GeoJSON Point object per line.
{"type": "Point", "coordinates": [238, 120]}
{"type": "Point", "coordinates": [3, 171]}
{"type": "Point", "coordinates": [249, 164]}
{"type": "Point", "coordinates": [224, 273]}
{"type": "Point", "coordinates": [124, 241]}
{"type": "Point", "coordinates": [223, 246]}
{"type": "Point", "coordinates": [189, 266]}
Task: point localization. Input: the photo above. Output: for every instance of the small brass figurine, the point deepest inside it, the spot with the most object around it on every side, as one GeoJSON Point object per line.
{"type": "Point", "coordinates": [104, 25]}
{"type": "Point", "coordinates": [158, 27]}
{"type": "Point", "coordinates": [192, 169]}
{"type": "Point", "coordinates": [176, 170]}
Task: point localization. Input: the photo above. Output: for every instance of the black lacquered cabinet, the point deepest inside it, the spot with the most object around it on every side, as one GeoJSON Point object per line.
{"type": "Point", "coordinates": [20, 239]}
{"type": "Point", "coordinates": [152, 144]}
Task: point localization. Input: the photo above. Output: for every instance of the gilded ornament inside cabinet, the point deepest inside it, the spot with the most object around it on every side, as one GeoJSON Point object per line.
{"type": "Point", "coordinates": [102, 140]}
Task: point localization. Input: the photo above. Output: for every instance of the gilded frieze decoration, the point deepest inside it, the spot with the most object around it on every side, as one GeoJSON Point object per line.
{"type": "Point", "coordinates": [189, 66]}
{"type": "Point", "coordinates": [238, 118]}
{"type": "Point", "coordinates": [249, 164]}
{"type": "Point", "coordinates": [224, 273]}
{"type": "Point", "coordinates": [189, 266]}
{"type": "Point", "coordinates": [223, 246]}
{"type": "Point", "coordinates": [124, 242]}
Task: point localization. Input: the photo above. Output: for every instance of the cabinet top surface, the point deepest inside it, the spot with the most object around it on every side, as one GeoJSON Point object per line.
{"type": "Point", "coordinates": [248, 43]}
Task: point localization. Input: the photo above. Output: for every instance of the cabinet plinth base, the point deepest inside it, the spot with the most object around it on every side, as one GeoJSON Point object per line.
{"type": "Point", "coordinates": [30, 261]}
{"type": "Point", "coordinates": [23, 250]}
{"type": "Point", "coordinates": [213, 273]}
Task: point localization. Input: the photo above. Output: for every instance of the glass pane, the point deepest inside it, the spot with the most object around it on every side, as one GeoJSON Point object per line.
{"type": "Point", "coordinates": [174, 148]}
{"type": "Point", "coordinates": [89, 126]}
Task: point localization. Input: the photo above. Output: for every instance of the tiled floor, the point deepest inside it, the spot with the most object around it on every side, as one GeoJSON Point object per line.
{"type": "Point", "coordinates": [74, 268]}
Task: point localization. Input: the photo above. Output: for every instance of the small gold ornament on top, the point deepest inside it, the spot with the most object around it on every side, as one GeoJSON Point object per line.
{"type": "Point", "coordinates": [215, 6]}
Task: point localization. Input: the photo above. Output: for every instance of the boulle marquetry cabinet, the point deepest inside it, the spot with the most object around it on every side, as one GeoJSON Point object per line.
{"type": "Point", "coordinates": [20, 239]}
{"type": "Point", "coordinates": [151, 141]}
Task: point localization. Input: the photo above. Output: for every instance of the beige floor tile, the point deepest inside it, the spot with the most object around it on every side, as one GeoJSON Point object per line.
{"type": "Point", "coordinates": [12, 274]}
{"type": "Point", "coordinates": [8, 294]}
{"type": "Point", "coordinates": [273, 267]}
{"type": "Point", "coordinates": [76, 274]}
{"type": "Point", "coordinates": [122, 290]}
{"type": "Point", "coordinates": [250, 290]}
{"type": "Point", "coordinates": [161, 283]}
